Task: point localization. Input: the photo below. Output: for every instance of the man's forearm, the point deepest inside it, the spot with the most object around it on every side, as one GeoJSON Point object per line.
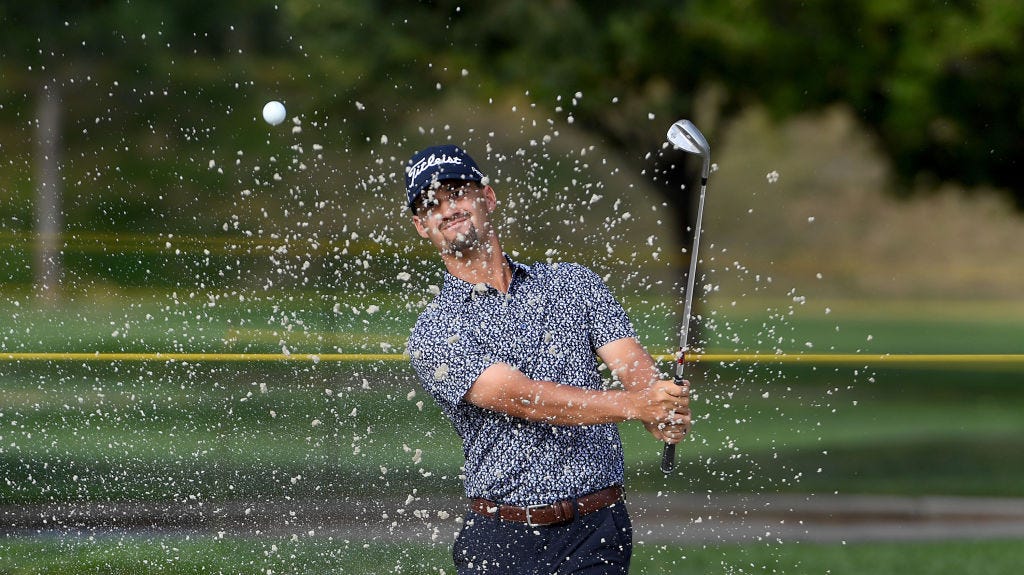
{"type": "Point", "coordinates": [507, 390]}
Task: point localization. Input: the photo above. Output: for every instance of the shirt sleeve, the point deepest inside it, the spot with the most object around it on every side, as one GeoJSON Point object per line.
{"type": "Point", "coordinates": [605, 316]}
{"type": "Point", "coordinates": [446, 358]}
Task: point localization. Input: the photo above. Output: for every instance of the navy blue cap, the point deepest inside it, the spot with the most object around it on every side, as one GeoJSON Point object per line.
{"type": "Point", "coordinates": [436, 164]}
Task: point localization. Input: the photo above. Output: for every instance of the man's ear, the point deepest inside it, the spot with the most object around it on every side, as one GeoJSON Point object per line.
{"type": "Point", "coordinates": [418, 223]}
{"type": "Point", "coordinates": [491, 197]}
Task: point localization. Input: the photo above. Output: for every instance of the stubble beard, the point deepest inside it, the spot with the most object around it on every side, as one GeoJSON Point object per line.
{"type": "Point", "coordinates": [464, 242]}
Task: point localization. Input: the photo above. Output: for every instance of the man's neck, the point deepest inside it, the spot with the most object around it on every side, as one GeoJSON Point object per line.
{"type": "Point", "coordinates": [486, 264]}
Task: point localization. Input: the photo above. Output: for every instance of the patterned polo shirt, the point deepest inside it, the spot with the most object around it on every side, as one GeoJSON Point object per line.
{"type": "Point", "coordinates": [549, 325]}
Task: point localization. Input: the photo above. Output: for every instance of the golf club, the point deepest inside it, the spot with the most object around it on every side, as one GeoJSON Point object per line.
{"type": "Point", "coordinates": [685, 136]}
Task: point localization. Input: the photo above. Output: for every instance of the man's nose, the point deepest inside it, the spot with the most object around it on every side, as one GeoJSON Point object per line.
{"type": "Point", "coordinates": [446, 204]}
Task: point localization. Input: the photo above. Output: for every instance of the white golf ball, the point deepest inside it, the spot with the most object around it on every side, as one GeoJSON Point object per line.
{"type": "Point", "coordinates": [274, 112]}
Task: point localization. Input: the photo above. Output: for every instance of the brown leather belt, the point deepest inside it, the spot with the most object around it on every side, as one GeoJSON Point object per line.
{"type": "Point", "coordinates": [549, 514]}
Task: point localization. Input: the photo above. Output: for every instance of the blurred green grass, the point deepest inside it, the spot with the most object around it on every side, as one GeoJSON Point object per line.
{"type": "Point", "coordinates": [106, 431]}
{"type": "Point", "coordinates": [241, 555]}
{"type": "Point", "coordinates": [77, 432]}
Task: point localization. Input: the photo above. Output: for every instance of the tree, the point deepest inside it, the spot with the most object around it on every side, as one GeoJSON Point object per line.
{"type": "Point", "coordinates": [938, 82]}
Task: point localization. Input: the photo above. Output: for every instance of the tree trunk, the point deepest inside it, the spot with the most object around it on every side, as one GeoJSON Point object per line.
{"type": "Point", "coordinates": [49, 219]}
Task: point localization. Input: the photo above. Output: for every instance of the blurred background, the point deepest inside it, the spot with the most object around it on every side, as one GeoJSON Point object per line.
{"type": "Point", "coordinates": [865, 199]}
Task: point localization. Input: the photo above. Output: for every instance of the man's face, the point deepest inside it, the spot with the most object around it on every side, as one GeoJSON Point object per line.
{"type": "Point", "coordinates": [455, 216]}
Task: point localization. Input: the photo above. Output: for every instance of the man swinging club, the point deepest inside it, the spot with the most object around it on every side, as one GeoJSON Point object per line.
{"type": "Point", "coordinates": [508, 352]}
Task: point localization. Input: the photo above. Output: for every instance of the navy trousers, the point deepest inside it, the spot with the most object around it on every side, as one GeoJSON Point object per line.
{"type": "Point", "coordinates": [599, 543]}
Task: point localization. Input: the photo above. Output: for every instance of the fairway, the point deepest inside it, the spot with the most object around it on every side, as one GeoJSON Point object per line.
{"type": "Point", "coordinates": [305, 430]}
{"type": "Point", "coordinates": [243, 556]}
{"type": "Point", "coordinates": [227, 430]}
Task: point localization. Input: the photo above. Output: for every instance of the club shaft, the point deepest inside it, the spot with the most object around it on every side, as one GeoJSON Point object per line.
{"type": "Point", "coordinates": [668, 454]}
{"type": "Point", "coordinates": [691, 276]}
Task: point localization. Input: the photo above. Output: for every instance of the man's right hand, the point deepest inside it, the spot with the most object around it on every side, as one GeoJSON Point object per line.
{"type": "Point", "coordinates": [664, 409]}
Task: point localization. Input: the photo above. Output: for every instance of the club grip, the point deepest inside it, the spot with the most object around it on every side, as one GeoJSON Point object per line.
{"type": "Point", "coordinates": [668, 458]}
{"type": "Point", "coordinates": [668, 454]}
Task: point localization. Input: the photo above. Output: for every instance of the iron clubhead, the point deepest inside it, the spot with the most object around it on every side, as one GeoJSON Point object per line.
{"type": "Point", "coordinates": [685, 136]}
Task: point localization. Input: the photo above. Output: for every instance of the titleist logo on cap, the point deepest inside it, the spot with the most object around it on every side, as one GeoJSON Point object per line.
{"type": "Point", "coordinates": [416, 169]}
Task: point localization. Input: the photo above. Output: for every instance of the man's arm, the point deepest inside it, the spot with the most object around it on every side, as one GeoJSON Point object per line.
{"type": "Point", "coordinates": [629, 362]}
{"type": "Point", "coordinates": [505, 389]}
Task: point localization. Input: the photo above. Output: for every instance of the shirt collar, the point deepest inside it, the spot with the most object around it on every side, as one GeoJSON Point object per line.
{"type": "Point", "coordinates": [460, 290]}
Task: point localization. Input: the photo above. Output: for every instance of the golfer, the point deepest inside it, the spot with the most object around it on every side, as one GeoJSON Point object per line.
{"type": "Point", "coordinates": [508, 352]}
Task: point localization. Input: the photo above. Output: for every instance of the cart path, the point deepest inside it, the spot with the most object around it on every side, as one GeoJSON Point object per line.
{"type": "Point", "coordinates": [657, 519]}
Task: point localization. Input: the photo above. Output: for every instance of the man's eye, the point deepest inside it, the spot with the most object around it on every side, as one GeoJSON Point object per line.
{"type": "Point", "coordinates": [460, 192]}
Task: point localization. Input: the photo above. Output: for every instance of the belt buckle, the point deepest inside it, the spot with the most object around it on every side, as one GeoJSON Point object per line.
{"type": "Point", "coordinates": [529, 517]}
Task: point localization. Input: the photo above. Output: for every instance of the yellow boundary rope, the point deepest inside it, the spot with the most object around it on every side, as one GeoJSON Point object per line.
{"type": "Point", "coordinates": [853, 358]}
{"type": "Point", "coordinates": [807, 359]}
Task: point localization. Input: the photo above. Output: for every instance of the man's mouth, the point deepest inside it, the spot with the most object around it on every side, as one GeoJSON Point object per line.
{"type": "Point", "coordinates": [454, 220]}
